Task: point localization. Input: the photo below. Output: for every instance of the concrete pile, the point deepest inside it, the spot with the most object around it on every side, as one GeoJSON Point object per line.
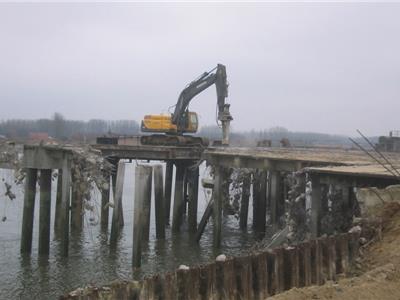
{"type": "Point", "coordinates": [296, 215]}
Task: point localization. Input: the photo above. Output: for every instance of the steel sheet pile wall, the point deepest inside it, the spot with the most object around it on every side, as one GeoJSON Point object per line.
{"type": "Point", "coordinates": [254, 276]}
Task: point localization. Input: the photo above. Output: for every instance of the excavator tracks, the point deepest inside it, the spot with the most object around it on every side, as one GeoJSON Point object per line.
{"type": "Point", "coordinates": [173, 140]}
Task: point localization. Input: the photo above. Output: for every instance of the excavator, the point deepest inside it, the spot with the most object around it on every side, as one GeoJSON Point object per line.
{"type": "Point", "coordinates": [171, 129]}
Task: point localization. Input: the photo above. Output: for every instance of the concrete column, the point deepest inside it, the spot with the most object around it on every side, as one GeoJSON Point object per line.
{"type": "Point", "coordinates": [142, 195]}
{"type": "Point", "coordinates": [244, 204]}
{"type": "Point", "coordinates": [185, 191]}
{"type": "Point", "coordinates": [28, 213]}
{"type": "Point", "coordinates": [259, 201]}
{"type": "Point", "coordinates": [58, 202]}
{"type": "Point", "coordinates": [178, 201]}
{"type": "Point", "coordinates": [324, 198]}
{"type": "Point", "coordinates": [315, 205]}
{"type": "Point", "coordinates": [193, 193]}
{"type": "Point", "coordinates": [116, 217]}
{"type": "Point", "coordinates": [285, 191]}
{"type": "Point", "coordinates": [45, 209]}
{"type": "Point", "coordinates": [256, 190]}
{"type": "Point", "coordinates": [76, 204]}
{"type": "Point", "coordinates": [114, 187]}
{"type": "Point", "coordinates": [346, 195]}
{"type": "Point", "coordinates": [263, 200]}
{"type": "Point", "coordinates": [217, 206]}
{"type": "Point", "coordinates": [226, 207]}
{"type": "Point", "coordinates": [65, 207]}
{"type": "Point", "coordinates": [275, 193]}
{"type": "Point", "coordinates": [159, 201]}
{"type": "Point", "coordinates": [169, 172]}
{"type": "Point", "coordinates": [147, 208]}
{"type": "Point", "coordinates": [105, 199]}
{"type": "Point", "coordinates": [203, 222]}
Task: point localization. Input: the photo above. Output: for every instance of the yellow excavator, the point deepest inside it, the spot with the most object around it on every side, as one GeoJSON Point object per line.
{"type": "Point", "coordinates": [174, 126]}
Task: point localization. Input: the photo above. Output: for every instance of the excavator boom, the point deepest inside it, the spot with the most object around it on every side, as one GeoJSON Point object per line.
{"type": "Point", "coordinates": [196, 87]}
{"type": "Point", "coordinates": [182, 120]}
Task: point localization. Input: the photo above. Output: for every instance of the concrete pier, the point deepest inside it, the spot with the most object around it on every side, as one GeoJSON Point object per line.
{"type": "Point", "coordinates": [114, 175]}
{"type": "Point", "coordinates": [315, 205]}
{"type": "Point", "coordinates": [44, 213]}
{"type": "Point", "coordinates": [275, 194]}
{"type": "Point", "coordinates": [259, 200]}
{"type": "Point", "coordinates": [65, 204]}
{"type": "Point", "coordinates": [217, 206]}
{"type": "Point", "coordinates": [116, 223]}
{"type": "Point", "coordinates": [105, 200]}
{"type": "Point", "coordinates": [29, 208]}
{"type": "Point", "coordinates": [146, 207]}
{"type": "Point", "coordinates": [178, 198]}
{"type": "Point", "coordinates": [169, 172]}
{"type": "Point", "coordinates": [159, 201]}
{"type": "Point", "coordinates": [143, 178]}
{"type": "Point", "coordinates": [58, 203]}
{"type": "Point", "coordinates": [193, 194]}
{"type": "Point", "coordinates": [76, 204]}
{"type": "Point", "coordinates": [185, 191]}
{"type": "Point", "coordinates": [204, 219]}
{"type": "Point", "coordinates": [244, 206]}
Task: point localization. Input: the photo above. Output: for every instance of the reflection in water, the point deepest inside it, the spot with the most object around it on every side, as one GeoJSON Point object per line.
{"type": "Point", "coordinates": [91, 259]}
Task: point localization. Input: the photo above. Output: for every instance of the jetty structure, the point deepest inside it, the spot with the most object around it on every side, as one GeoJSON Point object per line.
{"type": "Point", "coordinates": [316, 171]}
{"type": "Point", "coordinates": [299, 193]}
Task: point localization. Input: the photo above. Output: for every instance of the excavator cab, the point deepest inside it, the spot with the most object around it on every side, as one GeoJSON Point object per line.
{"type": "Point", "coordinates": [191, 122]}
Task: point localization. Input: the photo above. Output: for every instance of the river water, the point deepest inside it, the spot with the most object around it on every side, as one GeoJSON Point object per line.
{"type": "Point", "coordinates": [90, 259]}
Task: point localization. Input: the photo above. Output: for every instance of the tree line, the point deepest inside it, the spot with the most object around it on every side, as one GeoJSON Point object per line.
{"type": "Point", "coordinates": [62, 129]}
{"type": "Point", "coordinates": [275, 135]}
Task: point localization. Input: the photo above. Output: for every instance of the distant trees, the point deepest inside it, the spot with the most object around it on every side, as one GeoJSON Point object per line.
{"type": "Point", "coordinates": [275, 134]}
{"type": "Point", "coordinates": [60, 128]}
{"type": "Point", "coordinates": [210, 131]}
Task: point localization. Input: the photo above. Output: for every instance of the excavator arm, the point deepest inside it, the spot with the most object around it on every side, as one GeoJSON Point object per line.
{"type": "Point", "coordinates": [183, 121]}
{"type": "Point", "coordinates": [196, 87]}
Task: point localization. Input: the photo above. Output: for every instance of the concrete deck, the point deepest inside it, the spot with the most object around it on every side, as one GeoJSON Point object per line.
{"type": "Point", "coordinates": [332, 161]}
{"type": "Point", "coordinates": [150, 152]}
{"type": "Point", "coordinates": [343, 162]}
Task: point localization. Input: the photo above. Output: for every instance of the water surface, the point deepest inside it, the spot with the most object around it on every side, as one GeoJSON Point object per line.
{"type": "Point", "coordinates": [90, 259]}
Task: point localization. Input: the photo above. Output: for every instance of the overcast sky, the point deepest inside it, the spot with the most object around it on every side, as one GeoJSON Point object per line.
{"type": "Point", "coordinates": [308, 67]}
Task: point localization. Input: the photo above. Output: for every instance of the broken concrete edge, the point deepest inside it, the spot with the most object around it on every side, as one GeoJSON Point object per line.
{"type": "Point", "coordinates": [180, 280]}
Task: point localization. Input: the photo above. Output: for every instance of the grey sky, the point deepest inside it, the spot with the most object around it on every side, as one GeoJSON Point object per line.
{"type": "Point", "coordinates": [309, 67]}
